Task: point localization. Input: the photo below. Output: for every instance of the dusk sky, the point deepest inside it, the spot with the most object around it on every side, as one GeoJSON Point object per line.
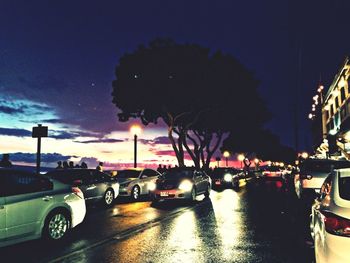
{"type": "Point", "coordinates": [57, 61]}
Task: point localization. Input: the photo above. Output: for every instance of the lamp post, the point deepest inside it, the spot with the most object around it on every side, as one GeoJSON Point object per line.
{"type": "Point", "coordinates": [241, 158]}
{"type": "Point", "coordinates": [135, 130]}
{"type": "Point", "coordinates": [226, 155]}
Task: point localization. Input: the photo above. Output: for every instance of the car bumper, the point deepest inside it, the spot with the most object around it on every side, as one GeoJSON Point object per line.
{"type": "Point", "coordinates": [334, 249]}
{"type": "Point", "coordinates": [171, 194]}
{"type": "Point", "coordinates": [78, 211]}
{"type": "Point", "coordinates": [124, 191]}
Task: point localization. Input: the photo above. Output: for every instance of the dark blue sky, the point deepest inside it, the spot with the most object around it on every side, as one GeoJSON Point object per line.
{"type": "Point", "coordinates": [63, 53]}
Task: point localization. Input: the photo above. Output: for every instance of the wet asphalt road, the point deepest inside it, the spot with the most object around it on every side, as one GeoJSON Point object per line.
{"type": "Point", "coordinates": [260, 222]}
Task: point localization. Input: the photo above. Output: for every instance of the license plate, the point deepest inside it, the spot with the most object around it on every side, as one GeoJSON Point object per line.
{"type": "Point", "coordinates": [164, 194]}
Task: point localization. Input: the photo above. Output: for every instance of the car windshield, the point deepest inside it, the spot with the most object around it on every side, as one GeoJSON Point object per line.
{"type": "Point", "coordinates": [344, 186]}
{"type": "Point", "coordinates": [177, 174]}
{"type": "Point", "coordinates": [323, 166]}
{"type": "Point", "coordinates": [128, 174]}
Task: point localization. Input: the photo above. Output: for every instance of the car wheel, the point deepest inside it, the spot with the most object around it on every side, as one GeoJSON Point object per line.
{"type": "Point", "coordinates": [56, 226]}
{"type": "Point", "coordinates": [135, 192]}
{"type": "Point", "coordinates": [108, 197]}
{"type": "Point", "coordinates": [207, 192]}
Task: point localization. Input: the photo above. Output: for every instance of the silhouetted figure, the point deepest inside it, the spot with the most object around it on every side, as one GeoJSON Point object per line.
{"type": "Point", "coordinates": [169, 167]}
{"type": "Point", "coordinates": [77, 166]}
{"type": "Point", "coordinates": [84, 165]}
{"type": "Point", "coordinates": [71, 164]}
{"type": "Point", "coordinates": [164, 168]}
{"type": "Point", "coordinates": [160, 169]}
{"type": "Point", "coordinates": [65, 165]}
{"type": "Point", "coordinates": [59, 165]}
{"type": "Point", "coordinates": [5, 161]}
{"type": "Point", "coordinates": [99, 167]}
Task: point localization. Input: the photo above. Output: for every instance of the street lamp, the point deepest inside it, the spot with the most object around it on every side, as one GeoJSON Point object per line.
{"type": "Point", "coordinates": [241, 158]}
{"type": "Point", "coordinates": [135, 130]}
{"type": "Point", "coordinates": [226, 155]}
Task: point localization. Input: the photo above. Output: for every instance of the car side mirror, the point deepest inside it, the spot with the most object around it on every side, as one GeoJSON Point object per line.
{"type": "Point", "coordinates": [77, 182]}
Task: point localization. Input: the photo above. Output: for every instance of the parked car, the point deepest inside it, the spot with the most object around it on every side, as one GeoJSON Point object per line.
{"type": "Point", "coordinates": [312, 174]}
{"type": "Point", "coordinates": [32, 206]}
{"type": "Point", "coordinates": [226, 177]}
{"type": "Point", "coordinates": [330, 219]}
{"type": "Point", "coordinates": [96, 186]}
{"type": "Point", "coordinates": [136, 182]}
{"type": "Point", "coordinates": [182, 183]}
{"type": "Point", "coordinates": [272, 171]}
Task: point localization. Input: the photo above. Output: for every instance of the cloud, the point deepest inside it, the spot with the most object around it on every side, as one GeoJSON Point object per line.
{"type": "Point", "coordinates": [101, 141]}
{"type": "Point", "coordinates": [10, 110]}
{"type": "Point", "coordinates": [45, 157]}
{"type": "Point", "coordinates": [15, 132]}
{"type": "Point", "coordinates": [161, 140]}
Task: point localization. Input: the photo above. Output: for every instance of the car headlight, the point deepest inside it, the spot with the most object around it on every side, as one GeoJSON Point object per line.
{"type": "Point", "coordinates": [186, 185]}
{"type": "Point", "coordinates": [152, 186]}
{"type": "Point", "coordinates": [228, 177]}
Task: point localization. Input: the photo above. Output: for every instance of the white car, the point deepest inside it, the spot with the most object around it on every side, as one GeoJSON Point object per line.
{"type": "Point", "coordinates": [32, 206]}
{"type": "Point", "coordinates": [312, 174]}
{"type": "Point", "coordinates": [136, 182]}
{"type": "Point", "coordinates": [330, 219]}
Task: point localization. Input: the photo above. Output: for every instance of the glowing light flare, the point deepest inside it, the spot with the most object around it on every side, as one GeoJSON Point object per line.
{"type": "Point", "coordinates": [226, 154]}
{"type": "Point", "coordinates": [304, 155]}
{"type": "Point", "coordinates": [186, 186]}
{"type": "Point", "coordinates": [240, 157]}
{"type": "Point", "coordinates": [151, 186]}
{"type": "Point", "coordinates": [135, 130]}
{"type": "Point", "coordinates": [228, 177]}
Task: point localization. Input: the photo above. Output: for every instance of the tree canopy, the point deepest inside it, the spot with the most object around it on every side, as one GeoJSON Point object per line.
{"type": "Point", "coordinates": [200, 95]}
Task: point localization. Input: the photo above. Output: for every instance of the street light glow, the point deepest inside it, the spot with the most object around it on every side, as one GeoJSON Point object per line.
{"type": "Point", "coordinates": [240, 157]}
{"type": "Point", "coordinates": [135, 129]}
{"type": "Point", "coordinates": [304, 155]}
{"type": "Point", "coordinates": [226, 154]}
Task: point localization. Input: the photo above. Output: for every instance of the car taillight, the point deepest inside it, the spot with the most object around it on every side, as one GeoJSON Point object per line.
{"type": "Point", "coordinates": [78, 192]}
{"type": "Point", "coordinates": [336, 225]}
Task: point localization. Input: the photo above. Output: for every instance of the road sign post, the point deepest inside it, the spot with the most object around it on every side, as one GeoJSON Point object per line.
{"type": "Point", "coordinates": [39, 132]}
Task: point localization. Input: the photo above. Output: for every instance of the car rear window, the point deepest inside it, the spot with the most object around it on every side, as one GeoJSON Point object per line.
{"type": "Point", "coordinates": [323, 166]}
{"type": "Point", "coordinates": [344, 186]}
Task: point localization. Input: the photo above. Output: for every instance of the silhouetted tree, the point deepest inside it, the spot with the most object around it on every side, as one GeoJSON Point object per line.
{"type": "Point", "coordinates": [261, 143]}
{"type": "Point", "coordinates": [199, 96]}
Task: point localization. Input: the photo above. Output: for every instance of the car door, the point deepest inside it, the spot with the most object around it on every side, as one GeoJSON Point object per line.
{"type": "Point", "coordinates": [199, 181]}
{"type": "Point", "coordinates": [100, 182]}
{"type": "Point", "coordinates": [2, 209]}
{"type": "Point", "coordinates": [2, 218]}
{"type": "Point", "coordinates": [26, 202]}
{"type": "Point", "coordinates": [89, 185]}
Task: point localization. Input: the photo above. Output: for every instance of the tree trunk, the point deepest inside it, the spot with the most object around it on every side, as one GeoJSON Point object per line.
{"type": "Point", "coordinates": [179, 156]}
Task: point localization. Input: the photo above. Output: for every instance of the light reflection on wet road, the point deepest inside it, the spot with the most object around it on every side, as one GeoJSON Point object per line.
{"type": "Point", "coordinates": [254, 224]}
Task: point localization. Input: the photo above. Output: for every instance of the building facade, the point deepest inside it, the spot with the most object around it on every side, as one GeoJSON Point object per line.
{"type": "Point", "coordinates": [336, 113]}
